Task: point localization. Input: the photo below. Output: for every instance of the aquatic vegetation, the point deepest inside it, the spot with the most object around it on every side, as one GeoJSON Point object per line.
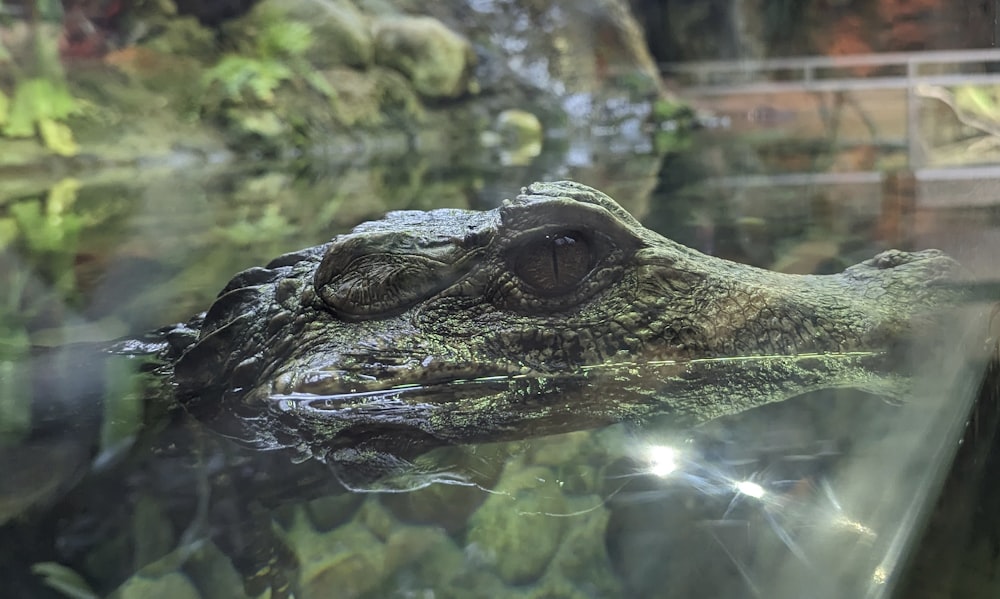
{"type": "Point", "coordinates": [272, 225]}
{"type": "Point", "coordinates": [65, 580]}
{"type": "Point", "coordinates": [41, 100]}
{"type": "Point", "coordinates": [665, 109]}
{"type": "Point", "coordinates": [276, 55]}
{"type": "Point", "coordinates": [49, 230]}
{"type": "Point", "coordinates": [259, 77]}
{"type": "Point", "coordinates": [672, 122]}
{"type": "Point", "coordinates": [38, 107]}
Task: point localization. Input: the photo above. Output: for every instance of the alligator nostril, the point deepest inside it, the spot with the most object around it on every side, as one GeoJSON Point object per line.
{"type": "Point", "coordinates": [893, 258]}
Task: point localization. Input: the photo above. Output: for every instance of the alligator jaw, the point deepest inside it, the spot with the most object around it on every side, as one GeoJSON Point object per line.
{"type": "Point", "coordinates": [511, 407]}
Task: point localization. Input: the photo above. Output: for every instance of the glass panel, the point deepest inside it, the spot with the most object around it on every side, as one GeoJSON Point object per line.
{"type": "Point", "coordinates": [701, 385]}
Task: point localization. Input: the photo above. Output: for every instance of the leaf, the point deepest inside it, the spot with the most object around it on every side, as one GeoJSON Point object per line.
{"type": "Point", "coordinates": [46, 231]}
{"type": "Point", "coordinates": [22, 116]}
{"type": "Point", "coordinates": [232, 72]}
{"type": "Point", "coordinates": [262, 122]}
{"type": "Point", "coordinates": [8, 232]}
{"type": "Point", "coordinates": [977, 100]}
{"type": "Point", "coordinates": [64, 580]}
{"type": "Point", "coordinates": [62, 195]}
{"type": "Point", "coordinates": [259, 77]}
{"type": "Point", "coordinates": [268, 78]}
{"type": "Point", "coordinates": [285, 38]}
{"type": "Point", "coordinates": [4, 107]}
{"type": "Point", "coordinates": [51, 100]}
{"type": "Point", "coordinates": [36, 100]}
{"type": "Point", "coordinates": [320, 84]}
{"type": "Point", "coordinates": [58, 137]}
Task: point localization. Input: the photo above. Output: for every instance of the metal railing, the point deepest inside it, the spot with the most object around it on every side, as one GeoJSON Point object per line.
{"type": "Point", "coordinates": [844, 74]}
{"type": "Point", "coordinates": [755, 76]}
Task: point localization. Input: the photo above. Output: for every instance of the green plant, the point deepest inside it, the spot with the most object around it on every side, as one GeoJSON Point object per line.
{"type": "Point", "coordinates": [276, 55]}
{"type": "Point", "coordinates": [38, 107]}
{"type": "Point", "coordinates": [49, 231]}
{"type": "Point", "coordinates": [242, 74]}
{"type": "Point", "coordinates": [981, 101]}
{"type": "Point", "coordinates": [666, 110]}
{"type": "Point", "coordinates": [41, 100]}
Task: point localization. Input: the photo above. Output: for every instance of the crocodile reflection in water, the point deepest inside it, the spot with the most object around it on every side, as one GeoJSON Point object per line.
{"type": "Point", "coordinates": [555, 312]}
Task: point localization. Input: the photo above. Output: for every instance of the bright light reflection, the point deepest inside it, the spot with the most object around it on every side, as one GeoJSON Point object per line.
{"type": "Point", "coordinates": [855, 526]}
{"type": "Point", "coordinates": [750, 488]}
{"type": "Point", "coordinates": [662, 460]}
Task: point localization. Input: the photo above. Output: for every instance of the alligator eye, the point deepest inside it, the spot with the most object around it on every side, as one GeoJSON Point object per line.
{"type": "Point", "coordinates": [554, 263]}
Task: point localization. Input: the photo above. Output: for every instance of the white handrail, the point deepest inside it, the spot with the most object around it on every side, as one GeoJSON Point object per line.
{"type": "Point", "coordinates": [841, 61]}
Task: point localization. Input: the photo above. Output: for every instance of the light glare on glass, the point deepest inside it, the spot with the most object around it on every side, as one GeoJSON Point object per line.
{"type": "Point", "coordinates": [662, 460]}
{"type": "Point", "coordinates": [750, 488]}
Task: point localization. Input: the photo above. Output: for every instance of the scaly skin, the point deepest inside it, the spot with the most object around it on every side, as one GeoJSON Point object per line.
{"type": "Point", "coordinates": [557, 311]}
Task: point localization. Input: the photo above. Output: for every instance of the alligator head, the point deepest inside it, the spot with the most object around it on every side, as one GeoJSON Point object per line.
{"type": "Point", "coordinates": [557, 311]}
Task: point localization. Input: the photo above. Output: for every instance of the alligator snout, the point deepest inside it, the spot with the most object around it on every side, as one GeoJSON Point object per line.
{"type": "Point", "coordinates": [920, 270]}
{"type": "Point", "coordinates": [894, 258]}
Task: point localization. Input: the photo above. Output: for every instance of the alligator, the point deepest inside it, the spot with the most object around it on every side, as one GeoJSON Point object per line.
{"type": "Point", "coordinates": [557, 311]}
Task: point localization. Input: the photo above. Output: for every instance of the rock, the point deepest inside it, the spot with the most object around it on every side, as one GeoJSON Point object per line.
{"type": "Point", "coordinates": [378, 520]}
{"type": "Point", "coordinates": [374, 97]}
{"type": "Point", "coordinates": [520, 136]}
{"type": "Point", "coordinates": [327, 513]}
{"type": "Point", "coordinates": [432, 56]}
{"type": "Point", "coordinates": [582, 559]}
{"type": "Point", "coordinates": [347, 562]}
{"type": "Point", "coordinates": [518, 127]}
{"type": "Point", "coordinates": [426, 549]}
{"type": "Point", "coordinates": [170, 586]}
{"type": "Point", "coordinates": [448, 506]}
{"type": "Point", "coordinates": [184, 36]}
{"type": "Point", "coordinates": [512, 532]}
{"type": "Point", "coordinates": [427, 563]}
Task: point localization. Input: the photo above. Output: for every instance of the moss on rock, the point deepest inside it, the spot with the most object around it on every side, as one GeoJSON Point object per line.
{"type": "Point", "coordinates": [435, 58]}
{"type": "Point", "coordinates": [373, 97]}
{"type": "Point", "coordinates": [517, 537]}
{"type": "Point", "coordinates": [349, 559]}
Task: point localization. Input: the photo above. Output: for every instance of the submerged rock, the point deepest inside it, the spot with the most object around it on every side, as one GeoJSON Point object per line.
{"type": "Point", "coordinates": [582, 560]}
{"type": "Point", "coordinates": [515, 530]}
{"type": "Point", "coordinates": [349, 559]}
{"type": "Point", "coordinates": [169, 586]}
